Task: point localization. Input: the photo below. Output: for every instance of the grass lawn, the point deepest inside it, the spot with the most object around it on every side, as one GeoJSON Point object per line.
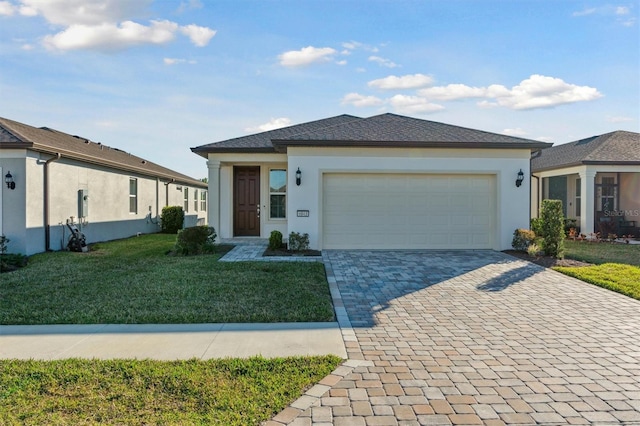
{"type": "Point", "coordinates": [133, 281]}
{"type": "Point", "coordinates": [624, 279]}
{"type": "Point", "coordinates": [598, 253]}
{"type": "Point", "coordinates": [215, 392]}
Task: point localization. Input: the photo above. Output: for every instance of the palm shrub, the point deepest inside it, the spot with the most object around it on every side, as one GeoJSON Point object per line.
{"type": "Point", "coordinates": [552, 228]}
{"type": "Point", "coordinates": [172, 218]}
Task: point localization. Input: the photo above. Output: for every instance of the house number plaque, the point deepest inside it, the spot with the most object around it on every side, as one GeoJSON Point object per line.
{"type": "Point", "coordinates": [303, 213]}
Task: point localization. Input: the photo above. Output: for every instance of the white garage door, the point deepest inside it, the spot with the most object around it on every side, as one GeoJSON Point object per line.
{"type": "Point", "coordinates": [408, 211]}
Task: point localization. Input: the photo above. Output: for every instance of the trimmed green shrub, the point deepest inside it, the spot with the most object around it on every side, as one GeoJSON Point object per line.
{"type": "Point", "coordinates": [522, 239]}
{"type": "Point", "coordinates": [553, 228]}
{"type": "Point", "coordinates": [172, 218]}
{"type": "Point", "coordinates": [4, 241]}
{"type": "Point", "coordinates": [196, 240]}
{"type": "Point", "coordinates": [536, 225]}
{"type": "Point", "coordinates": [298, 242]}
{"type": "Point", "coordinates": [275, 240]}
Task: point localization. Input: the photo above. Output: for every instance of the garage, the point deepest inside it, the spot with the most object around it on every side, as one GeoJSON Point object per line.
{"type": "Point", "coordinates": [408, 211]}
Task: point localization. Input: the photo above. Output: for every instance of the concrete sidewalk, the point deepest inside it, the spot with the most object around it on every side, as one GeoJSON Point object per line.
{"type": "Point", "coordinates": [170, 341]}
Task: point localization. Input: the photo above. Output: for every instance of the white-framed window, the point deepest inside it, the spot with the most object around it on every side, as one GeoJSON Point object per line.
{"type": "Point", "coordinates": [133, 195]}
{"type": "Point", "coordinates": [185, 191]}
{"type": "Point", "coordinates": [195, 200]}
{"type": "Point", "coordinates": [578, 197]}
{"type": "Point", "coordinates": [277, 194]}
{"type": "Point", "coordinates": [203, 201]}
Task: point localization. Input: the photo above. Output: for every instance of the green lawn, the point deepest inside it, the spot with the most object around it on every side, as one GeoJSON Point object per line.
{"type": "Point", "coordinates": [624, 279]}
{"type": "Point", "coordinates": [603, 252]}
{"type": "Point", "coordinates": [133, 281]}
{"type": "Point", "coordinates": [125, 392]}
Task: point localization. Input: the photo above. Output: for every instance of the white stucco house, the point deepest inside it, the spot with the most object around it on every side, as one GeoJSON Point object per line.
{"type": "Point", "coordinates": [383, 182]}
{"type": "Point", "coordinates": [597, 179]}
{"type": "Point", "coordinates": [50, 177]}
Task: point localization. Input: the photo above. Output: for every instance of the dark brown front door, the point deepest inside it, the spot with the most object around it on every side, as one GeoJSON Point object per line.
{"type": "Point", "coordinates": [246, 201]}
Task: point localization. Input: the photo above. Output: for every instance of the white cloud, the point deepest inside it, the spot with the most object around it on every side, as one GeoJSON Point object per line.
{"type": "Point", "coordinates": [358, 100]}
{"type": "Point", "coordinates": [411, 81]}
{"type": "Point", "coordinates": [110, 37]}
{"type": "Point", "coordinates": [514, 132]}
{"type": "Point", "coordinates": [175, 61]}
{"type": "Point", "coordinates": [306, 56]}
{"type": "Point", "coordinates": [540, 91]}
{"type": "Point", "coordinates": [622, 10]}
{"type": "Point", "coordinates": [343, 62]}
{"type": "Point", "coordinates": [200, 36]}
{"type": "Point", "coordinates": [383, 62]}
{"type": "Point", "coordinates": [413, 105]}
{"type": "Point", "coordinates": [585, 12]}
{"type": "Point", "coordinates": [537, 91]}
{"type": "Point", "coordinates": [453, 92]}
{"type": "Point", "coordinates": [189, 5]}
{"type": "Point", "coordinates": [27, 46]}
{"type": "Point", "coordinates": [619, 119]}
{"type": "Point", "coordinates": [87, 12]}
{"type": "Point", "coordinates": [7, 9]}
{"type": "Point", "coordinates": [544, 139]}
{"type": "Point", "coordinates": [274, 123]}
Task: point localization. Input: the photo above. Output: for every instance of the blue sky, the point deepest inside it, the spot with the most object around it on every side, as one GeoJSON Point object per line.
{"type": "Point", "coordinates": [157, 77]}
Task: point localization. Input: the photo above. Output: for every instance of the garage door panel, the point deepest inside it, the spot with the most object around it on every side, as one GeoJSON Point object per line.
{"type": "Point", "coordinates": [408, 211]}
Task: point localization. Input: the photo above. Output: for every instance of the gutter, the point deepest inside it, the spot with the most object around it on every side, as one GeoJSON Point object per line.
{"type": "Point", "coordinates": [47, 225]}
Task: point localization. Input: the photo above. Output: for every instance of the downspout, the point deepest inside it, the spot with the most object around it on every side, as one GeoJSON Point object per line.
{"type": "Point", "coordinates": [166, 192]}
{"type": "Point", "coordinates": [47, 226]}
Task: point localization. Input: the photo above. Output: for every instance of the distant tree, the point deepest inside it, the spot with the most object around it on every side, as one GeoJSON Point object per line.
{"type": "Point", "coordinates": [205, 180]}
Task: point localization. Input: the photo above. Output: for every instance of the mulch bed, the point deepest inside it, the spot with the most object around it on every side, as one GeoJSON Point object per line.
{"type": "Point", "coordinates": [284, 252]}
{"type": "Point", "coordinates": [546, 261]}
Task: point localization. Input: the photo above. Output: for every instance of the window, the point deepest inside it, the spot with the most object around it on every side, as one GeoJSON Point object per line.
{"type": "Point", "coordinates": [133, 196]}
{"type": "Point", "coordinates": [186, 199]}
{"type": "Point", "coordinates": [195, 200]}
{"type": "Point", "coordinates": [203, 201]}
{"type": "Point", "coordinates": [578, 196]}
{"type": "Point", "coordinates": [607, 194]}
{"type": "Point", "coordinates": [278, 194]}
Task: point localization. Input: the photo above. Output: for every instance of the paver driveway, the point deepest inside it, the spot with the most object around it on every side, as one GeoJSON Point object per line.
{"type": "Point", "coordinates": [472, 337]}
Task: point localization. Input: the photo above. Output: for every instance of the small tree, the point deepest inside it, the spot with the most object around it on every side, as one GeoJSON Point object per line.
{"type": "Point", "coordinates": [552, 228]}
{"type": "Point", "coordinates": [172, 218]}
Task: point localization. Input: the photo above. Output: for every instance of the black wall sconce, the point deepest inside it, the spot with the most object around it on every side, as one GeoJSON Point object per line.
{"type": "Point", "coordinates": [520, 178]}
{"type": "Point", "coordinates": [9, 181]}
{"type": "Point", "coordinates": [298, 177]}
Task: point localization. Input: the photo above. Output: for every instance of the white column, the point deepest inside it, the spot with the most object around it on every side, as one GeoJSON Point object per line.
{"type": "Point", "coordinates": [214, 195]}
{"type": "Point", "coordinates": [587, 199]}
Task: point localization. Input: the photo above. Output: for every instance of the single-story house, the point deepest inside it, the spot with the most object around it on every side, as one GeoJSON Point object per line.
{"type": "Point", "coordinates": [386, 181]}
{"type": "Point", "coordinates": [50, 178]}
{"type": "Point", "coordinates": [597, 179]}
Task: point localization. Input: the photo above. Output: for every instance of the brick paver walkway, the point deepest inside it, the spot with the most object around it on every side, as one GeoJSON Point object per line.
{"type": "Point", "coordinates": [474, 337]}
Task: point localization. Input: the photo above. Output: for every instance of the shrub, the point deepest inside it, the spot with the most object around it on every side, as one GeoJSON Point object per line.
{"type": "Point", "coordinates": [275, 240]}
{"type": "Point", "coordinates": [569, 224]}
{"type": "Point", "coordinates": [172, 218]}
{"type": "Point", "coordinates": [3, 244]}
{"type": "Point", "coordinates": [533, 249]}
{"type": "Point", "coordinates": [196, 240]}
{"type": "Point", "coordinates": [553, 228]}
{"type": "Point", "coordinates": [536, 225]}
{"type": "Point", "coordinates": [522, 239]}
{"type": "Point", "coordinates": [298, 242]}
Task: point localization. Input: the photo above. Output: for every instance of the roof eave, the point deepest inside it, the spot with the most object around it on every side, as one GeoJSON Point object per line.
{"type": "Point", "coordinates": [281, 144]}
{"type": "Point", "coordinates": [226, 150]}
{"type": "Point", "coordinates": [15, 145]}
{"type": "Point", "coordinates": [117, 166]}
{"type": "Point", "coordinates": [585, 163]}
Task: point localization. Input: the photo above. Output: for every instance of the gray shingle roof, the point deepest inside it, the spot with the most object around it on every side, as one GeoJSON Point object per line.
{"type": "Point", "coordinates": [261, 142]}
{"type": "Point", "coordinates": [18, 135]}
{"type": "Point", "coordinates": [385, 130]}
{"type": "Point", "coordinates": [397, 130]}
{"type": "Point", "coordinates": [619, 147]}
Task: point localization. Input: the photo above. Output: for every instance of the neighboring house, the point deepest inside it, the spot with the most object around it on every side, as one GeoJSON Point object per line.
{"type": "Point", "coordinates": [109, 193]}
{"type": "Point", "coordinates": [597, 179]}
{"type": "Point", "coordinates": [384, 182]}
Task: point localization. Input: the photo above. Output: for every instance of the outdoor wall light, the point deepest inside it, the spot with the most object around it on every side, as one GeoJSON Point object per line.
{"type": "Point", "coordinates": [520, 178]}
{"type": "Point", "coordinates": [298, 177]}
{"type": "Point", "coordinates": [9, 181]}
